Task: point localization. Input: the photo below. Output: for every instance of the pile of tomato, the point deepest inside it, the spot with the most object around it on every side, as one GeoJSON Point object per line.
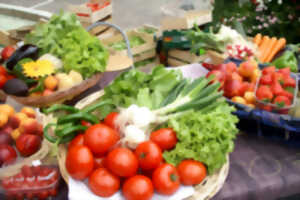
{"type": "Point", "coordinates": [4, 76]}
{"type": "Point", "coordinates": [32, 182]}
{"type": "Point", "coordinates": [96, 155]}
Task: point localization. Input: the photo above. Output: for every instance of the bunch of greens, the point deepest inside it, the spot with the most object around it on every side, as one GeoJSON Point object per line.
{"type": "Point", "coordinates": [133, 40]}
{"type": "Point", "coordinates": [64, 37]}
{"type": "Point", "coordinates": [204, 136]}
{"type": "Point", "coordinates": [136, 87]}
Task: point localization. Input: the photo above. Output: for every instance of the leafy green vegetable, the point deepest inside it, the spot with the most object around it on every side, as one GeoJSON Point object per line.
{"type": "Point", "coordinates": [136, 87]}
{"type": "Point", "coordinates": [64, 37]}
{"type": "Point", "coordinates": [133, 40]}
{"type": "Point", "coordinates": [204, 136]}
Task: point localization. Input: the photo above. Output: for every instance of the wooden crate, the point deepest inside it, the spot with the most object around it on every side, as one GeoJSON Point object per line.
{"type": "Point", "coordinates": [144, 55]}
{"type": "Point", "coordinates": [148, 45]}
{"type": "Point", "coordinates": [86, 15]}
{"type": "Point", "coordinates": [187, 21]}
{"type": "Point", "coordinates": [99, 29]}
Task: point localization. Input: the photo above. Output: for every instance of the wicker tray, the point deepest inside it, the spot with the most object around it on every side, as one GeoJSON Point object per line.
{"type": "Point", "coordinates": [204, 191]}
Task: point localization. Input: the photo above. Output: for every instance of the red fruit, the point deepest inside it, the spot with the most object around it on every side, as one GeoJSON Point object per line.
{"type": "Point", "coordinates": [217, 76]}
{"type": "Point", "coordinates": [8, 154]}
{"type": "Point", "coordinates": [3, 71]}
{"type": "Point", "coordinates": [138, 187]}
{"type": "Point", "coordinates": [266, 107]}
{"type": "Point", "coordinates": [7, 52]}
{"type": "Point", "coordinates": [28, 144]}
{"type": "Point", "coordinates": [276, 88]}
{"type": "Point", "coordinates": [191, 172]}
{"type": "Point", "coordinates": [278, 77]}
{"type": "Point", "coordinates": [78, 140]}
{"type": "Point", "coordinates": [149, 155]}
{"type": "Point", "coordinates": [269, 70]}
{"type": "Point", "coordinates": [264, 93]}
{"type": "Point", "coordinates": [247, 68]}
{"type": "Point", "coordinates": [29, 126]}
{"type": "Point", "coordinates": [287, 94]}
{"type": "Point", "coordinates": [5, 138]}
{"type": "Point", "coordinates": [110, 120]}
{"type": "Point", "coordinates": [231, 67]}
{"type": "Point", "coordinates": [233, 76]}
{"type": "Point", "coordinates": [3, 80]}
{"type": "Point", "coordinates": [266, 79]}
{"type": "Point", "coordinates": [165, 138]}
{"type": "Point", "coordinates": [289, 82]}
{"type": "Point", "coordinates": [233, 88]}
{"type": "Point", "coordinates": [85, 123]}
{"type": "Point", "coordinates": [221, 67]}
{"type": "Point", "coordinates": [251, 87]}
{"type": "Point", "coordinates": [245, 87]}
{"type": "Point", "coordinates": [285, 71]}
{"type": "Point", "coordinates": [282, 101]}
{"type": "Point", "coordinates": [209, 66]}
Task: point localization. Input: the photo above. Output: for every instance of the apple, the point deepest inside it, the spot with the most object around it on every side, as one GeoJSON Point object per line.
{"type": "Point", "coordinates": [29, 126]}
{"type": "Point", "coordinates": [28, 144]}
{"type": "Point", "coordinates": [247, 68]}
{"type": "Point", "coordinates": [233, 88]}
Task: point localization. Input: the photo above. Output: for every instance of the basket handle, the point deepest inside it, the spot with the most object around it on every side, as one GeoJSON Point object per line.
{"type": "Point", "coordinates": [122, 33]}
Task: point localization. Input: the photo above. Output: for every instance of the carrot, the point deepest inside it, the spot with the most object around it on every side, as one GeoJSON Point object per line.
{"type": "Point", "coordinates": [269, 49]}
{"type": "Point", "coordinates": [257, 39]}
{"type": "Point", "coordinates": [263, 46]}
{"type": "Point", "coordinates": [280, 44]}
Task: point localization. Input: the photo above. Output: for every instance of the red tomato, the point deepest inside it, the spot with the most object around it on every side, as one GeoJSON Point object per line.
{"type": "Point", "coordinates": [191, 172]}
{"type": "Point", "coordinates": [122, 162]}
{"type": "Point", "coordinates": [110, 119]}
{"type": "Point", "coordinates": [100, 138]}
{"type": "Point", "coordinates": [85, 123]}
{"type": "Point", "coordinates": [269, 70]}
{"type": "Point", "coordinates": [8, 154]}
{"type": "Point", "coordinates": [7, 52]}
{"type": "Point", "coordinates": [165, 138]}
{"type": "Point", "coordinates": [282, 101]}
{"type": "Point", "coordinates": [80, 162]}
{"type": "Point", "coordinates": [103, 183]}
{"type": "Point", "coordinates": [78, 140]}
{"type": "Point", "coordinates": [276, 88]}
{"type": "Point", "coordinates": [264, 93]}
{"type": "Point", "coordinates": [9, 77]}
{"type": "Point", "coordinates": [3, 71]}
{"type": "Point", "coordinates": [3, 80]}
{"type": "Point", "coordinates": [149, 155]}
{"type": "Point", "coordinates": [266, 79]}
{"type": "Point", "coordinates": [165, 179]}
{"type": "Point", "coordinates": [138, 187]}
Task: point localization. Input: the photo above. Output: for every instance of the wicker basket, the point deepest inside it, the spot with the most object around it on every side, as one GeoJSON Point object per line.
{"type": "Point", "coordinates": [204, 191]}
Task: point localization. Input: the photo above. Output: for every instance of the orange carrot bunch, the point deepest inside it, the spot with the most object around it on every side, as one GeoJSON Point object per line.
{"type": "Point", "coordinates": [268, 47]}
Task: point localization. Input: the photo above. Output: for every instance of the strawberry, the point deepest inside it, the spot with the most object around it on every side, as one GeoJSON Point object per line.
{"type": "Point", "coordinates": [266, 79]}
{"type": "Point", "coordinates": [282, 101]}
{"type": "Point", "coordinates": [269, 70]}
{"type": "Point", "coordinates": [276, 88]}
{"type": "Point", "coordinates": [287, 94]}
{"type": "Point", "coordinates": [278, 77]}
{"type": "Point", "coordinates": [289, 82]}
{"type": "Point", "coordinates": [285, 71]}
{"type": "Point", "coordinates": [264, 93]}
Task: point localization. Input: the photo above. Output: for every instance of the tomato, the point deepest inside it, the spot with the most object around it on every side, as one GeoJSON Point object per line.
{"type": "Point", "coordinates": [266, 79]}
{"type": "Point", "coordinates": [8, 154]}
{"type": "Point", "coordinates": [122, 162]}
{"type": "Point", "coordinates": [110, 119]}
{"type": "Point", "coordinates": [149, 155]}
{"type": "Point", "coordinates": [165, 179]}
{"type": "Point", "coordinates": [80, 162]}
{"type": "Point", "coordinates": [138, 187]}
{"type": "Point", "coordinates": [3, 71]}
{"type": "Point", "coordinates": [85, 123]}
{"type": "Point", "coordinates": [191, 172]}
{"type": "Point", "coordinates": [3, 80]}
{"type": "Point", "coordinates": [165, 138]}
{"type": "Point", "coordinates": [99, 162]}
{"type": "Point", "coordinates": [100, 138]}
{"type": "Point", "coordinates": [78, 140]}
{"type": "Point", "coordinates": [282, 101]}
{"type": "Point", "coordinates": [103, 183]}
{"type": "Point", "coordinates": [269, 70]}
{"type": "Point", "coordinates": [7, 52]}
{"type": "Point", "coordinates": [264, 93]}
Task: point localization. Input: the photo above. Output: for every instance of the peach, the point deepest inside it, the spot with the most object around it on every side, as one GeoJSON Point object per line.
{"type": "Point", "coordinates": [3, 119]}
{"type": "Point", "coordinates": [15, 134]}
{"type": "Point", "coordinates": [7, 109]}
{"type": "Point", "coordinates": [40, 130]}
{"type": "Point", "coordinates": [15, 120]}
{"type": "Point", "coordinates": [247, 68]}
{"type": "Point", "coordinates": [234, 76]}
{"type": "Point", "coordinates": [28, 144]}
{"type": "Point", "coordinates": [28, 111]}
{"type": "Point", "coordinates": [29, 126]}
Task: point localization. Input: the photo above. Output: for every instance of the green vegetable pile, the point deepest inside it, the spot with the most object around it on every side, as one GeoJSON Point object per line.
{"type": "Point", "coordinates": [133, 40]}
{"type": "Point", "coordinates": [204, 136]}
{"type": "Point", "coordinates": [64, 37]}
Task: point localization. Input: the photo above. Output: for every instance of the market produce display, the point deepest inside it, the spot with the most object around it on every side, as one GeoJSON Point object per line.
{"type": "Point", "coordinates": [20, 134]}
{"type": "Point", "coordinates": [143, 126]}
{"type": "Point", "coordinates": [57, 55]}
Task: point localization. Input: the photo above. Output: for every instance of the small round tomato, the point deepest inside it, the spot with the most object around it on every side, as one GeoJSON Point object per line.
{"type": "Point", "coordinates": [110, 119]}
{"type": "Point", "coordinates": [3, 80]}
{"type": "Point", "coordinates": [80, 162]}
{"type": "Point", "coordinates": [7, 52]}
{"type": "Point", "coordinates": [100, 138]}
{"type": "Point", "coordinates": [138, 187]}
{"type": "Point", "coordinates": [3, 71]}
{"type": "Point", "coordinates": [191, 172]}
{"type": "Point", "coordinates": [122, 162]}
{"type": "Point", "coordinates": [78, 140]}
{"type": "Point", "coordinates": [165, 138]}
{"type": "Point", "coordinates": [166, 179]}
{"type": "Point", "coordinates": [85, 123]}
{"type": "Point", "coordinates": [149, 155]}
{"type": "Point", "coordinates": [103, 183]}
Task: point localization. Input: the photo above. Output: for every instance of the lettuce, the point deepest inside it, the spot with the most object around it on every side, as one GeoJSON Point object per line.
{"type": "Point", "coordinates": [206, 137]}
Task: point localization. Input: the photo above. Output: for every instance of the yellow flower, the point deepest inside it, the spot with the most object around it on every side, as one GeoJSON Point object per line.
{"type": "Point", "coordinates": [38, 68]}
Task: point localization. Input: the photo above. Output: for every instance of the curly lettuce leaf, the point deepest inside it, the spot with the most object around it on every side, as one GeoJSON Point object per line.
{"type": "Point", "coordinates": [206, 137]}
